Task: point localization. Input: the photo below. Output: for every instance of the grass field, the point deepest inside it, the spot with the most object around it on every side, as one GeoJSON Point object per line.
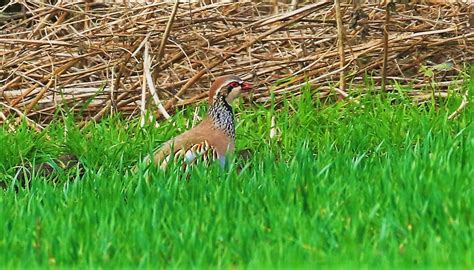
{"type": "Point", "coordinates": [377, 181]}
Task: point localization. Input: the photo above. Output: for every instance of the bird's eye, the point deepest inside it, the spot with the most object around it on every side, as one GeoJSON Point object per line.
{"type": "Point", "coordinates": [233, 84]}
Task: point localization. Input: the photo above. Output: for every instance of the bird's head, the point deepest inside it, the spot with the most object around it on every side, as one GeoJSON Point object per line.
{"type": "Point", "coordinates": [228, 87]}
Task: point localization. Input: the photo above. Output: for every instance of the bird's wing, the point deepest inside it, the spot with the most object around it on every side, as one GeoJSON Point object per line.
{"type": "Point", "coordinates": [191, 154]}
{"type": "Point", "coordinates": [202, 140]}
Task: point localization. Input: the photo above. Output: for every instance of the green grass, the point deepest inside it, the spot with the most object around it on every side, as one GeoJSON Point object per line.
{"type": "Point", "coordinates": [373, 182]}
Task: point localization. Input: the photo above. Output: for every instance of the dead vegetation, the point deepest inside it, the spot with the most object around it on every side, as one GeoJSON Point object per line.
{"type": "Point", "coordinates": [104, 59]}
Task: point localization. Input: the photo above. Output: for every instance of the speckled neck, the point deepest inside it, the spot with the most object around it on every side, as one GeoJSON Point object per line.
{"type": "Point", "coordinates": [222, 116]}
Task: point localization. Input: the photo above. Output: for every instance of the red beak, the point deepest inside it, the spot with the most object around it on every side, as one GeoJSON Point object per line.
{"type": "Point", "coordinates": [246, 86]}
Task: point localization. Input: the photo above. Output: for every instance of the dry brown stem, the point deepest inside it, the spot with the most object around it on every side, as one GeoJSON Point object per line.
{"type": "Point", "coordinates": [340, 43]}
{"type": "Point", "coordinates": [385, 45]}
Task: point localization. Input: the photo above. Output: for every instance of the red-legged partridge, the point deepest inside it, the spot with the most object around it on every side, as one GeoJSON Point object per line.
{"type": "Point", "coordinates": [214, 137]}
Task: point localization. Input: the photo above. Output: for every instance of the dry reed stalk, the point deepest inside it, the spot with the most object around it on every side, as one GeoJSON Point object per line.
{"type": "Point", "coordinates": [167, 31]}
{"type": "Point", "coordinates": [388, 8]}
{"type": "Point", "coordinates": [340, 43]}
{"type": "Point", "coordinates": [149, 81]}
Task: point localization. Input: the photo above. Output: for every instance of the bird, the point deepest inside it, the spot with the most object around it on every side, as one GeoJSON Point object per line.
{"type": "Point", "coordinates": [50, 170]}
{"type": "Point", "coordinates": [214, 137]}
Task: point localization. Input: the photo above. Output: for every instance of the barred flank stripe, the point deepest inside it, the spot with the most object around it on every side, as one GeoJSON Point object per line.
{"type": "Point", "coordinates": [194, 154]}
